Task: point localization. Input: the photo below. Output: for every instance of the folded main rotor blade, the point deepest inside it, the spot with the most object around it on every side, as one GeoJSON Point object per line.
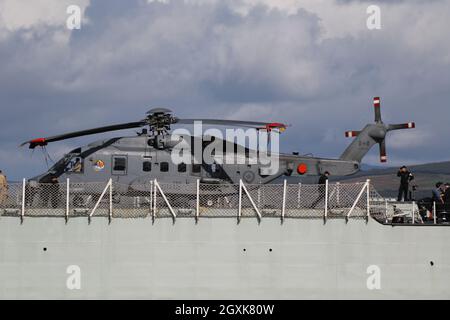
{"type": "Point", "coordinates": [44, 141]}
{"type": "Point", "coordinates": [234, 123]}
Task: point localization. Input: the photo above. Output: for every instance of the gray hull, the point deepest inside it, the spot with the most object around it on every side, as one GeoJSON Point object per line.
{"type": "Point", "coordinates": [220, 259]}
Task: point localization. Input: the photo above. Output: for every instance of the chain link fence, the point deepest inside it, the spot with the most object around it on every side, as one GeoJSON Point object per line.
{"type": "Point", "coordinates": [162, 200]}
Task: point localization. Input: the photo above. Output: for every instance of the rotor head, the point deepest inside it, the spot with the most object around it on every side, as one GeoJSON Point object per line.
{"type": "Point", "coordinates": [378, 130]}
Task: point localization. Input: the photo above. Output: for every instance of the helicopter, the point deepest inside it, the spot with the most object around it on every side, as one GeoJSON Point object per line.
{"type": "Point", "coordinates": [135, 160]}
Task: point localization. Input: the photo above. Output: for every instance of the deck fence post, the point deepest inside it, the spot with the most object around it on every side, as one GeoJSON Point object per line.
{"type": "Point", "coordinates": [434, 212]}
{"type": "Point", "coordinates": [368, 199]}
{"type": "Point", "coordinates": [387, 209]}
{"type": "Point", "coordinates": [151, 199]}
{"type": "Point", "coordinates": [110, 199]}
{"type": "Point", "coordinates": [283, 209]}
{"type": "Point", "coordinates": [163, 196]}
{"type": "Point", "coordinates": [154, 200]}
{"type": "Point", "coordinates": [326, 199]}
{"type": "Point", "coordinates": [240, 201]}
{"type": "Point", "coordinates": [22, 213]}
{"type": "Point", "coordinates": [67, 199]}
{"type": "Point", "coordinates": [197, 207]}
{"type": "Point", "coordinates": [108, 186]}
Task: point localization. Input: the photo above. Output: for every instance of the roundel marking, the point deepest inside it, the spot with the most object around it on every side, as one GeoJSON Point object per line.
{"type": "Point", "coordinates": [302, 168]}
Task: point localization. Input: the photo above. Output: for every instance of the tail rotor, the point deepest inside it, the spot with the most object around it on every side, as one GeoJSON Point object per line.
{"type": "Point", "coordinates": [372, 134]}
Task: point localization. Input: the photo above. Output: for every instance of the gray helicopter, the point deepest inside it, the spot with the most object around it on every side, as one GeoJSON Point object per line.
{"type": "Point", "coordinates": [138, 159]}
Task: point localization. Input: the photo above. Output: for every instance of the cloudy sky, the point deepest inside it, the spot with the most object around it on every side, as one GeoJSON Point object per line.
{"type": "Point", "coordinates": [313, 64]}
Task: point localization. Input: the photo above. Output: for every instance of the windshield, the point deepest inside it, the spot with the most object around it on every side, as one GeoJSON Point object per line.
{"type": "Point", "coordinates": [61, 163]}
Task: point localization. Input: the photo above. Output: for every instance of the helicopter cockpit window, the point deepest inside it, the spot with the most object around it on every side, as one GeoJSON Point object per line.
{"type": "Point", "coordinates": [146, 166]}
{"type": "Point", "coordinates": [164, 167]}
{"type": "Point", "coordinates": [182, 167]}
{"type": "Point", "coordinates": [75, 165]}
{"type": "Point", "coordinates": [119, 165]}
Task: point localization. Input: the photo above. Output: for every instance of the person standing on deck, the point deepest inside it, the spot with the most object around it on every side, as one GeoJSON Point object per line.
{"type": "Point", "coordinates": [437, 193]}
{"type": "Point", "coordinates": [3, 188]}
{"type": "Point", "coordinates": [446, 195]}
{"type": "Point", "coordinates": [405, 177]}
{"type": "Point", "coordinates": [321, 188]}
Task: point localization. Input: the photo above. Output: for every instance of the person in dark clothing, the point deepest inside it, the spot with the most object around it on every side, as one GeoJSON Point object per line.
{"type": "Point", "coordinates": [437, 193]}
{"type": "Point", "coordinates": [321, 188]}
{"type": "Point", "coordinates": [405, 177]}
{"type": "Point", "coordinates": [446, 196]}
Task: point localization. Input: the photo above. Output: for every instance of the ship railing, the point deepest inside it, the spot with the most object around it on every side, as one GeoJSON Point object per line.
{"type": "Point", "coordinates": [419, 213]}
{"type": "Point", "coordinates": [197, 200]}
{"type": "Point", "coordinates": [156, 199]}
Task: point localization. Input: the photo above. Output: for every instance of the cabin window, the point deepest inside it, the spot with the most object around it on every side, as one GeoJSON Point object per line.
{"type": "Point", "coordinates": [182, 167]}
{"type": "Point", "coordinates": [164, 167]}
{"type": "Point", "coordinates": [146, 166]}
{"type": "Point", "coordinates": [119, 165]}
{"type": "Point", "coordinates": [196, 168]}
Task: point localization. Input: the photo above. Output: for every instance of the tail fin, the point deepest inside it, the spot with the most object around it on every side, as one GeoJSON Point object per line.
{"type": "Point", "coordinates": [371, 135]}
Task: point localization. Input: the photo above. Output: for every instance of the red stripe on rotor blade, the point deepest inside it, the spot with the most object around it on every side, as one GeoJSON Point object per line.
{"type": "Point", "coordinates": [351, 134]}
{"type": "Point", "coordinates": [275, 125]}
{"type": "Point", "coordinates": [409, 125]}
{"type": "Point", "coordinates": [38, 141]}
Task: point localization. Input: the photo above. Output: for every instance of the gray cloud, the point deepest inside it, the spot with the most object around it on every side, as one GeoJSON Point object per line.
{"type": "Point", "coordinates": [207, 59]}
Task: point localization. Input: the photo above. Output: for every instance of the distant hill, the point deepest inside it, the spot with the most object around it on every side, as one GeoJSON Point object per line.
{"type": "Point", "coordinates": [368, 167]}
{"type": "Point", "coordinates": [386, 181]}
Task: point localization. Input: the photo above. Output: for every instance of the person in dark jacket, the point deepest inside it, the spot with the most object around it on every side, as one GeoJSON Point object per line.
{"type": "Point", "coordinates": [321, 188]}
{"type": "Point", "coordinates": [447, 195]}
{"type": "Point", "coordinates": [405, 177]}
{"type": "Point", "coordinates": [437, 193]}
